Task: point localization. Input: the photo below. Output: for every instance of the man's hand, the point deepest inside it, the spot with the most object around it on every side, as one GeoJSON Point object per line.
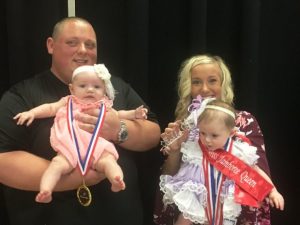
{"type": "Point", "coordinates": [111, 124]}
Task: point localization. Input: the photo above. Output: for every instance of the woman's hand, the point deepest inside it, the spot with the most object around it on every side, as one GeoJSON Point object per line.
{"type": "Point", "coordinates": [173, 138]}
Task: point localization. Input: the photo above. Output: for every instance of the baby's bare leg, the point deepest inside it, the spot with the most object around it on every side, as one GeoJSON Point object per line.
{"type": "Point", "coordinates": [108, 165]}
{"type": "Point", "coordinates": [57, 167]}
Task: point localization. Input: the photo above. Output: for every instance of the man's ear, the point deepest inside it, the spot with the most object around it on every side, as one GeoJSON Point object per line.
{"type": "Point", "coordinates": [49, 44]}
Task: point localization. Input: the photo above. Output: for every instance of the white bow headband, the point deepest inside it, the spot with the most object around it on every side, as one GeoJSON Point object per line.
{"type": "Point", "coordinates": [102, 72]}
{"type": "Point", "coordinates": [99, 69]}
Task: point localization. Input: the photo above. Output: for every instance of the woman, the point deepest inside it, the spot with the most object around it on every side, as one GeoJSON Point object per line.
{"type": "Point", "coordinates": [208, 76]}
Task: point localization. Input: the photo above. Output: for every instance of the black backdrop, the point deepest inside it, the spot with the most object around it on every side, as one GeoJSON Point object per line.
{"type": "Point", "coordinates": [144, 42]}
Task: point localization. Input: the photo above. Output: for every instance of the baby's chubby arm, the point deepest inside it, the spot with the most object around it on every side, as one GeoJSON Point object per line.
{"type": "Point", "coordinates": [276, 199]}
{"type": "Point", "coordinates": [41, 111]}
{"type": "Point", "coordinates": [138, 113]}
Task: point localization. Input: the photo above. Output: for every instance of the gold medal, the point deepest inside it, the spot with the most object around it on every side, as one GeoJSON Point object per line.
{"type": "Point", "coordinates": [83, 192]}
{"type": "Point", "coordinates": [84, 195]}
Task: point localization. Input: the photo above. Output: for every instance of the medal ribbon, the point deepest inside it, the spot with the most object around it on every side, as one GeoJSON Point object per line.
{"type": "Point", "coordinates": [252, 187]}
{"type": "Point", "coordinates": [83, 163]}
{"type": "Point", "coordinates": [214, 181]}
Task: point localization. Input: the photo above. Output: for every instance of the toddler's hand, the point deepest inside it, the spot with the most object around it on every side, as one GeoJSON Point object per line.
{"type": "Point", "coordinates": [276, 199]}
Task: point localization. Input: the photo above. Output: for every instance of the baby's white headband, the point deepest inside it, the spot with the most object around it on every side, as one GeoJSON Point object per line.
{"type": "Point", "coordinates": [99, 69]}
{"type": "Point", "coordinates": [102, 72]}
{"type": "Point", "coordinates": [227, 111]}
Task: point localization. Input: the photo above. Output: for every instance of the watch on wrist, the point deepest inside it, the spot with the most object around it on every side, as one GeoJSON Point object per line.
{"type": "Point", "coordinates": [123, 133]}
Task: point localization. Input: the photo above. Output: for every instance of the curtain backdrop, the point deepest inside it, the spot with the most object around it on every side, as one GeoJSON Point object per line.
{"type": "Point", "coordinates": [145, 41]}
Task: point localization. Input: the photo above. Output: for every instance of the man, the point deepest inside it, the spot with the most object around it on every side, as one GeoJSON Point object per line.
{"type": "Point", "coordinates": [25, 151]}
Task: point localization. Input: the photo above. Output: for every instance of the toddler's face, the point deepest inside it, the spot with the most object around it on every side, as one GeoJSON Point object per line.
{"type": "Point", "coordinates": [213, 134]}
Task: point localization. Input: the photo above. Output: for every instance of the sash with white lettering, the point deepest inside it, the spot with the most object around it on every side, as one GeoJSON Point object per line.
{"type": "Point", "coordinates": [214, 181]}
{"type": "Point", "coordinates": [245, 177]}
{"type": "Point", "coordinates": [83, 163]}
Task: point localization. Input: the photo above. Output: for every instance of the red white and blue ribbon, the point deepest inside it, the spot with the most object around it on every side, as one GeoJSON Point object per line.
{"type": "Point", "coordinates": [214, 181]}
{"type": "Point", "coordinates": [84, 162]}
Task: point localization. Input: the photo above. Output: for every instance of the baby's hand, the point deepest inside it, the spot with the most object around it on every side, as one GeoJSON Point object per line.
{"type": "Point", "coordinates": [141, 112]}
{"type": "Point", "coordinates": [23, 117]}
{"type": "Point", "coordinates": [276, 199]}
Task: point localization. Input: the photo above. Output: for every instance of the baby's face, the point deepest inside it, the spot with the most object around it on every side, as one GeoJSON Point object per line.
{"type": "Point", "coordinates": [213, 134]}
{"type": "Point", "coordinates": [88, 87]}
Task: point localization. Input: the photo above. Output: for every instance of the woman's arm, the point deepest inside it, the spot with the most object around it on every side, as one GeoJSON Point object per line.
{"type": "Point", "coordinates": [172, 162]}
{"type": "Point", "coordinates": [248, 124]}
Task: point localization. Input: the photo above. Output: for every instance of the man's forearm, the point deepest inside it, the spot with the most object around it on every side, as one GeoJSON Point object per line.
{"type": "Point", "coordinates": [142, 135]}
{"type": "Point", "coordinates": [22, 170]}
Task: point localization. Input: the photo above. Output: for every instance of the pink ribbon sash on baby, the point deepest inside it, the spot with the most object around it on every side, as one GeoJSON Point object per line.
{"type": "Point", "coordinates": [83, 163]}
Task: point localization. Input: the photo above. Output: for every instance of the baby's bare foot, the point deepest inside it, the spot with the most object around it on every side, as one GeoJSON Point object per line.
{"type": "Point", "coordinates": [118, 184]}
{"type": "Point", "coordinates": [44, 197]}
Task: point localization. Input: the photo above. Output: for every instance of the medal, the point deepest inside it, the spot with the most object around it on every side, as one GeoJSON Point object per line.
{"type": "Point", "coordinates": [84, 195]}
{"type": "Point", "coordinates": [84, 162]}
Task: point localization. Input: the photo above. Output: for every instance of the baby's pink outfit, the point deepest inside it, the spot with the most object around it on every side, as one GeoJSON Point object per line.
{"type": "Point", "coordinates": [61, 139]}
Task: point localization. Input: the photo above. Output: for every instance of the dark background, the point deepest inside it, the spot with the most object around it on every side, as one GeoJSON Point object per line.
{"type": "Point", "coordinates": [145, 41]}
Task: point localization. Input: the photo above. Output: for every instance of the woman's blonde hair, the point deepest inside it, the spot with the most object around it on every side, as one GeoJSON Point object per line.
{"type": "Point", "coordinates": [185, 83]}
